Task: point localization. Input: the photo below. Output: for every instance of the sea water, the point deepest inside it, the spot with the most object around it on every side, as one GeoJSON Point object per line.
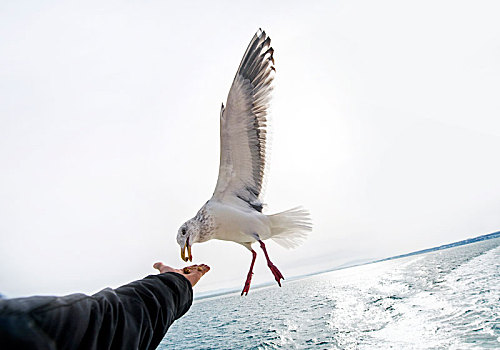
{"type": "Point", "coordinates": [448, 299]}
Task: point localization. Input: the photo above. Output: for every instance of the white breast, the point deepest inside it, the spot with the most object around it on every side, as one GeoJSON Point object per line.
{"type": "Point", "coordinates": [234, 224]}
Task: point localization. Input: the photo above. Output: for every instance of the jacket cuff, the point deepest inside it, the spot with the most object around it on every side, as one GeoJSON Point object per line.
{"type": "Point", "coordinates": [183, 289]}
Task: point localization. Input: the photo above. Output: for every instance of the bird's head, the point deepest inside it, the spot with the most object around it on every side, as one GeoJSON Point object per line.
{"type": "Point", "coordinates": [187, 235]}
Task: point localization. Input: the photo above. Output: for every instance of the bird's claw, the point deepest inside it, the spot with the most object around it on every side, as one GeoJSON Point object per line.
{"type": "Point", "coordinates": [246, 288]}
{"type": "Point", "coordinates": [277, 274]}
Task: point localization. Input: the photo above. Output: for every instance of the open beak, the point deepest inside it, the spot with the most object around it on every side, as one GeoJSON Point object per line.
{"type": "Point", "coordinates": [183, 252]}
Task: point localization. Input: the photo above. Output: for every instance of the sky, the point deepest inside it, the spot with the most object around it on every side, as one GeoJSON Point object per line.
{"type": "Point", "coordinates": [385, 125]}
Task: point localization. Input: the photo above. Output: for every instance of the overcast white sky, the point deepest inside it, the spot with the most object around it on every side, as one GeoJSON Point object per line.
{"type": "Point", "coordinates": [385, 125]}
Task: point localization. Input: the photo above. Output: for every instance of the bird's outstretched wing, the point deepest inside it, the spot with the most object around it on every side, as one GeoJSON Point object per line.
{"type": "Point", "coordinates": [243, 125]}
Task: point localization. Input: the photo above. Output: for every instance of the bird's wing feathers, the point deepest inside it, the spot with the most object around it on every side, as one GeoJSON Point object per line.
{"type": "Point", "coordinates": [243, 125]}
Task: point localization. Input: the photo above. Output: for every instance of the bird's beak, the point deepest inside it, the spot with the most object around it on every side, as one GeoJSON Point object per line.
{"type": "Point", "coordinates": [183, 252]}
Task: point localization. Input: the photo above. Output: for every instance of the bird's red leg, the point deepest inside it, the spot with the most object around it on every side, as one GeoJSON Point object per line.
{"type": "Point", "coordinates": [246, 288]}
{"type": "Point", "coordinates": [277, 274]}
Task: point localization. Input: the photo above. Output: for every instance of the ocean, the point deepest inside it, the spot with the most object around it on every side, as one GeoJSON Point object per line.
{"type": "Point", "coordinates": [446, 299]}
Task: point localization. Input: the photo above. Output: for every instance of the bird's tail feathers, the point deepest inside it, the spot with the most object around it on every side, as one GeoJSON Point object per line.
{"type": "Point", "coordinates": [291, 227]}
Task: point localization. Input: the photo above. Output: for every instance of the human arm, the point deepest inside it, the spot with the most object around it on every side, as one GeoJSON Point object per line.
{"type": "Point", "coordinates": [134, 316]}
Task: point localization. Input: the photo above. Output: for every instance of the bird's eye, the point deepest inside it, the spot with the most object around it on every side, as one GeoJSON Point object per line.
{"type": "Point", "coordinates": [183, 232]}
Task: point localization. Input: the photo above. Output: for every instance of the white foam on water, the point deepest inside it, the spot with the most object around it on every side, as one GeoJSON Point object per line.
{"type": "Point", "coordinates": [446, 299]}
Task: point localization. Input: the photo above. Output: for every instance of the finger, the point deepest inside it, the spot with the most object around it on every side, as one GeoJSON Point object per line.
{"type": "Point", "coordinates": [158, 265]}
{"type": "Point", "coordinates": [203, 268]}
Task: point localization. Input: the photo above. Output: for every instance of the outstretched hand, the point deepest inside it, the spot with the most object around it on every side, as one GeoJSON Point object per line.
{"type": "Point", "coordinates": [193, 273]}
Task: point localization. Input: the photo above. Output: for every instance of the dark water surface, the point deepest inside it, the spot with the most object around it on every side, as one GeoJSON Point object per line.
{"type": "Point", "coordinates": [447, 299]}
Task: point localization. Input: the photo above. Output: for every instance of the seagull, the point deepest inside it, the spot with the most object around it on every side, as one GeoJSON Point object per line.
{"type": "Point", "coordinates": [234, 213]}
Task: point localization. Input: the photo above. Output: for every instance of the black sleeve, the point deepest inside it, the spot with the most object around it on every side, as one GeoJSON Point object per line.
{"type": "Point", "coordinates": [134, 316]}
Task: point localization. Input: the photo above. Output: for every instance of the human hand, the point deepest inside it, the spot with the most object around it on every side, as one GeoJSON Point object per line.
{"type": "Point", "coordinates": [193, 273]}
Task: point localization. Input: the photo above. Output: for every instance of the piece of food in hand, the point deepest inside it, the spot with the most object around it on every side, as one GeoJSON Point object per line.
{"type": "Point", "coordinates": [186, 270]}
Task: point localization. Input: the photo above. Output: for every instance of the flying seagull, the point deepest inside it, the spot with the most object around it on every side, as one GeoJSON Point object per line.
{"type": "Point", "coordinates": [234, 213]}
